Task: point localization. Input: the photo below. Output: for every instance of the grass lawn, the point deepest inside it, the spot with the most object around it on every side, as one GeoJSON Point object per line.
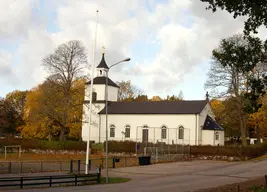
{"type": "Point", "coordinates": [112, 180]}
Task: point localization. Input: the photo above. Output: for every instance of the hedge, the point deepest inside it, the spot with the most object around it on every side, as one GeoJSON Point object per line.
{"type": "Point", "coordinates": [250, 151]}
{"type": "Point", "coordinates": [44, 144]}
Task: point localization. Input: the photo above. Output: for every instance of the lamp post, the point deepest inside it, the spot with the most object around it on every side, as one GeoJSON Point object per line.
{"type": "Point", "coordinates": [106, 98]}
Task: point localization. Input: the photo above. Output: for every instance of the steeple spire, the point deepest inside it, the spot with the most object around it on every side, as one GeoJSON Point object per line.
{"type": "Point", "coordinates": [103, 63]}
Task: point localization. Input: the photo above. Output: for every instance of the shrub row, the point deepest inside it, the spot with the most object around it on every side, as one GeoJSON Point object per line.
{"type": "Point", "coordinates": [44, 144]}
{"type": "Point", "coordinates": [250, 151]}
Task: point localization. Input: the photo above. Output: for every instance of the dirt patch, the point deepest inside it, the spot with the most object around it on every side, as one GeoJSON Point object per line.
{"type": "Point", "coordinates": [244, 186]}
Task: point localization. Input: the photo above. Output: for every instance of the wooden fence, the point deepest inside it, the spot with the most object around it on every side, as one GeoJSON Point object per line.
{"type": "Point", "coordinates": [49, 180]}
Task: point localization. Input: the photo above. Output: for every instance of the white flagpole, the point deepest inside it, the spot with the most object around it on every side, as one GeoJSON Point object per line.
{"type": "Point", "coordinates": [90, 97]}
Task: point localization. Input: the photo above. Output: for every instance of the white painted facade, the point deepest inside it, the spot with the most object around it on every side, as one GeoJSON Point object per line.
{"type": "Point", "coordinates": [192, 123]}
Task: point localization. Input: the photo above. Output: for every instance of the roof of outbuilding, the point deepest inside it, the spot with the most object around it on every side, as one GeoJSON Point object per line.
{"type": "Point", "coordinates": [156, 107]}
{"type": "Point", "coordinates": [102, 81]}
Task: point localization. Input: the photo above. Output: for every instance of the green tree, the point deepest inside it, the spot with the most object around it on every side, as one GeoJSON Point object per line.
{"type": "Point", "coordinates": [255, 10]}
{"type": "Point", "coordinates": [232, 65]}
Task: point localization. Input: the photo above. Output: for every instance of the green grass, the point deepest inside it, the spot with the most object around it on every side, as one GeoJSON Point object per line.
{"type": "Point", "coordinates": [258, 189]}
{"type": "Point", "coordinates": [112, 180]}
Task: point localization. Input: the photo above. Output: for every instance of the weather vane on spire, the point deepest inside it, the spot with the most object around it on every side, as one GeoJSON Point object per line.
{"type": "Point", "coordinates": [103, 49]}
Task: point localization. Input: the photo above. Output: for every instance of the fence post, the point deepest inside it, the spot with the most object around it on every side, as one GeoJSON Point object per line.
{"type": "Point", "coordinates": [41, 166]}
{"type": "Point", "coordinates": [79, 166]}
{"type": "Point", "coordinates": [90, 165]}
{"type": "Point", "coordinates": [50, 181]}
{"type": "Point", "coordinates": [9, 167]}
{"type": "Point", "coordinates": [113, 163]}
{"type": "Point", "coordinates": [71, 166]}
{"type": "Point", "coordinates": [21, 182]}
{"type": "Point", "coordinates": [60, 166]}
{"type": "Point", "coordinates": [102, 162]}
{"type": "Point", "coordinates": [21, 169]}
{"type": "Point", "coordinates": [98, 174]}
{"type": "Point", "coordinates": [76, 180]}
{"type": "Point", "coordinates": [190, 157]}
{"type": "Point", "coordinates": [265, 184]}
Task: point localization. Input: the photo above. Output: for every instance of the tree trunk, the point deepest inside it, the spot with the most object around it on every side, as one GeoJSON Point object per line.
{"type": "Point", "coordinates": [258, 131]}
{"type": "Point", "coordinates": [62, 135]}
{"type": "Point", "coordinates": [49, 136]}
{"type": "Point", "coordinates": [243, 130]}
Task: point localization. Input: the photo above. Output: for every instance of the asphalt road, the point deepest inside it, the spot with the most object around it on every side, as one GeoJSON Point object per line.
{"type": "Point", "coordinates": [181, 176]}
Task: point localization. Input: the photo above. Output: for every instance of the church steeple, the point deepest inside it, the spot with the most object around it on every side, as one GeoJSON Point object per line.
{"type": "Point", "coordinates": [103, 63]}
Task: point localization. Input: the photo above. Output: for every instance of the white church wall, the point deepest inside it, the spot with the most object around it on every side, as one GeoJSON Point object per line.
{"type": "Point", "coordinates": [209, 138]}
{"type": "Point", "coordinates": [100, 90]}
{"type": "Point", "coordinates": [207, 110]}
{"type": "Point", "coordinates": [170, 121]}
{"type": "Point", "coordinates": [94, 132]}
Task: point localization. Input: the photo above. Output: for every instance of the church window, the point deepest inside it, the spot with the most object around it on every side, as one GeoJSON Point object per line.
{"type": "Point", "coordinates": [127, 131]}
{"type": "Point", "coordinates": [217, 136]}
{"type": "Point", "coordinates": [145, 127]}
{"type": "Point", "coordinates": [181, 132]}
{"type": "Point", "coordinates": [94, 96]}
{"type": "Point", "coordinates": [163, 132]}
{"type": "Point", "coordinates": [100, 72]}
{"type": "Point", "coordinates": [112, 131]}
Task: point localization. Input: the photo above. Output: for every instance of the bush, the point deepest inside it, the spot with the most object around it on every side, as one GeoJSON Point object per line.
{"type": "Point", "coordinates": [121, 146]}
{"type": "Point", "coordinates": [250, 151]}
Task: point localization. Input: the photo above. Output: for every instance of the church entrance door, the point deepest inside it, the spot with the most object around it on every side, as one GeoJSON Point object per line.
{"type": "Point", "coordinates": [145, 136]}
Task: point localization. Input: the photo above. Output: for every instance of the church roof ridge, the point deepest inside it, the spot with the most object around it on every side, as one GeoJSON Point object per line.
{"type": "Point", "coordinates": [156, 107]}
{"type": "Point", "coordinates": [101, 80]}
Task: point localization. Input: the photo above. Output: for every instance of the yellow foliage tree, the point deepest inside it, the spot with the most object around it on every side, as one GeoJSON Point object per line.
{"type": "Point", "coordinates": [45, 111]}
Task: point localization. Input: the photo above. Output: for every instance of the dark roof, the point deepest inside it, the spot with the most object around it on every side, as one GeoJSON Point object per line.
{"type": "Point", "coordinates": [102, 81]}
{"type": "Point", "coordinates": [102, 63]}
{"type": "Point", "coordinates": [210, 124]}
{"type": "Point", "coordinates": [156, 107]}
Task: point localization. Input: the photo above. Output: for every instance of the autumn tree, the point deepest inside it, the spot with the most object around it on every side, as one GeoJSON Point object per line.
{"type": "Point", "coordinates": [45, 109]}
{"type": "Point", "coordinates": [226, 115]}
{"type": "Point", "coordinates": [15, 102]}
{"type": "Point", "coordinates": [65, 66]}
{"type": "Point", "coordinates": [127, 91]}
{"type": "Point", "coordinates": [3, 117]}
{"type": "Point", "coordinates": [141, 98]}
{"type": "Point", "coordinates": [11, 110]}
{"type": "Point", "coordinates": [156, 98]}
{"type": "Point", "coordinates": [255, 10]}
{"type": "Point", "coordinates": [232, 63]}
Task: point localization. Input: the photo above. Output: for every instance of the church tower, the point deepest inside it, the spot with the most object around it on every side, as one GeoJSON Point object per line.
{"type": "Point", "coordinates": [98, 99]}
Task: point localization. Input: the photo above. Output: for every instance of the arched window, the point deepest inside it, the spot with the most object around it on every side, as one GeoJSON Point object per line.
{"type": "Point", "coordinates": [145, 127]}
{"type": "Point", "coordinates": [181, 132]}
{"type": "Point", "coordinates": [94, 96]}
{"type": "Point", "coordinates": [163, 132]}
{"type": "Point", "coordinates": [100, 72]}
{"type": "Point", "coordinates": [217, 136]}
{"type": "Point", "coordinates": [112, 130]}
{"type": "Point", "coordinates": [127, 131]}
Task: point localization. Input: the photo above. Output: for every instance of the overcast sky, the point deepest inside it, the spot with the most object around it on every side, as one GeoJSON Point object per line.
{"type": "Point", "coordinates": [169, 42]}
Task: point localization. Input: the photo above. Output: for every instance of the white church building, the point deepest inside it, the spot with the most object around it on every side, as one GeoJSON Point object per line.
{"type": "Point", "coordinates": [173, 122]}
